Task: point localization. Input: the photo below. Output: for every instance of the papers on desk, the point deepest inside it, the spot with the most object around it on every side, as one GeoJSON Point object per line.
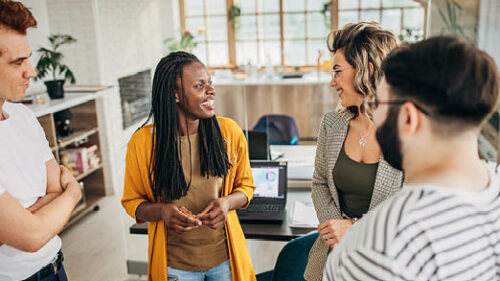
{"type": "Point", "coordinates": [303, 215]}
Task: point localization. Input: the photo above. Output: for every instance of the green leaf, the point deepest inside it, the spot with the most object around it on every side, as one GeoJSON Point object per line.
{"type": "Point", "coordinates": [68, 76]}
{"type": "Point", "coordinates": [186, 42]}
{"type": "Point", "coordinates": [443, 17]}
{"type": "Point", "coordinates": [169, 39]}
{"type": "Point", "coordinates": [51, 60]}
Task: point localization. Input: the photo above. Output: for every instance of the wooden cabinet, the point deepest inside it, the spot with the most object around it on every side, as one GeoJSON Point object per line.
{"type": "Point", "coordinates": [85, 132]}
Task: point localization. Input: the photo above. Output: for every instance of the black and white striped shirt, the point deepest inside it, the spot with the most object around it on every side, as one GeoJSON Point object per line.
{"type": "Point", "coordinates": [425, 232]}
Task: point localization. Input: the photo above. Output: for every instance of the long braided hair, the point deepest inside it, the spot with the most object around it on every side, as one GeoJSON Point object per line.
{"type": "Point", "coordinates": [166, 175]}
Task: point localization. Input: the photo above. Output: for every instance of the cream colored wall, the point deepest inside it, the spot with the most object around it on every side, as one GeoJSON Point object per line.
{"type": "Point", "coordinates": [468, 17]}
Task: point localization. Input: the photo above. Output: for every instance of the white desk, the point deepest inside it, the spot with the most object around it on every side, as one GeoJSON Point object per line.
{"type": "Point", "coordinates": [300, 160]}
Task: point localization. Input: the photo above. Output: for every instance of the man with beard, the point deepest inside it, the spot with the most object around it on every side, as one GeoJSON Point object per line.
{"type": "Point", "coordinates": [443, 225]}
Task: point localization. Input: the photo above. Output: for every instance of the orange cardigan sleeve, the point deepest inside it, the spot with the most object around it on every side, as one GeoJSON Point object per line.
{"type": "Point", "coordinates": [243, 180]}
{"type": "Point", "coordinates": [134, 191]}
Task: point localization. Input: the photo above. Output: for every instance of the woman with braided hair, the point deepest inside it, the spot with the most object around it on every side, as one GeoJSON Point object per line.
{"type": "Point", "coordinates": [186, 173]}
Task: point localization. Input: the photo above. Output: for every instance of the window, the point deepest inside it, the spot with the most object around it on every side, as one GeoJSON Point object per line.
{"type": "Point", "coordinates": [206, 20]}
{"type": "Point", "coordinates": [405, 18]}
{"type": "Point", "coordinates": [287, 32]}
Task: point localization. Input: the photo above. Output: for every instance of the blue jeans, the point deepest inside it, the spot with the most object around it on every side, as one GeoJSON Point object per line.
{"type": "Point", "coordinates": [61, 276]}
{"type": "Point", "coordinates": [221, 272]}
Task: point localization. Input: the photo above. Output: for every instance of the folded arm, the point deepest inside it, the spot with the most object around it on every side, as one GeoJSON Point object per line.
{"type": "Point", "coordinates": [54, 188]}
{"type": "Point", "coordinates": [29, 231]}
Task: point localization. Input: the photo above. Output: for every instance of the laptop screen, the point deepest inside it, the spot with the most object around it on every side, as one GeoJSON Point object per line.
{"type": "Point", "coordinates": [270, 179]}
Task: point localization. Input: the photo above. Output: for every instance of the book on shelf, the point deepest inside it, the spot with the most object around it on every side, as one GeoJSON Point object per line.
{"type": "Point", "coordinates": [81, 159]}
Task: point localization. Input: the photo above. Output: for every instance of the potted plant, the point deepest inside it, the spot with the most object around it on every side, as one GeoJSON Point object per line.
{"type": "Point", "coordinates": [234, 17]}
{"type": "Point", "coordinates": [186, 43]}
{"type": "Point", "coordinates": [50, 63]}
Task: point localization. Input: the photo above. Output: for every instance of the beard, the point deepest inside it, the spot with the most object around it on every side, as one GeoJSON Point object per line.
{"type": "Point", "coordinates": [389, 141]}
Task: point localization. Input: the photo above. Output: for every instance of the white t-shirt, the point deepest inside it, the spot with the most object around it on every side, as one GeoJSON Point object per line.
{"type": "Point", "coordinates": [425, 232]}
{"type": "Point", "coordinates": [24, 151]}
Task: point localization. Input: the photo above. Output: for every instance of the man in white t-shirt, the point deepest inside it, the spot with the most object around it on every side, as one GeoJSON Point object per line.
{"type": "Point", "coordinates": [36, 195]}
{"type": "Point", "coordinates": [445, 223]}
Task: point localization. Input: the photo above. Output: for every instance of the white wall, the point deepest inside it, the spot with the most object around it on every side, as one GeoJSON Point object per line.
{"type": "Point", "coordinates": [489, 28]}
{"type": "Point", "coordinates": [77, 18]}
{"type": "Point", "coordinates": [130, 37]}
{"type": "Point", "coordinates": [37, 37]}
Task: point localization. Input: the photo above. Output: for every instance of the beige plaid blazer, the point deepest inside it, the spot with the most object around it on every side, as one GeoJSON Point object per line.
{"type": "Point", "coordinates": [332, 133]}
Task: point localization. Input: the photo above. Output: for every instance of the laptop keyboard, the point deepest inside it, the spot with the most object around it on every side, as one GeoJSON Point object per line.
{"type": "Point", "coordinates": [263, 208]}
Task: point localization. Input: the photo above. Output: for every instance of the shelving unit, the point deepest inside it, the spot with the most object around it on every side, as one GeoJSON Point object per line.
{"type": "Point", "coordinates": [85, 130]}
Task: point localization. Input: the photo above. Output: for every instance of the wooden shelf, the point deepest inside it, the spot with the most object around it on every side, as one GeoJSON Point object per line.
{"type": "Point", "coordinates": [90, 171]}
{"type": "Point", "coordinates": [76, 136]}
{"type": "Point", "coordinates": [85, 126]}
{"type": "Point", "coordinates": [91, 202]}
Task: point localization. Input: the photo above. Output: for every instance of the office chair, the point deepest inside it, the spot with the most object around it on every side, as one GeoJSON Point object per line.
{"type": "Point", "coordinates": [292, 260]}
{"type": "Point", "coordinates": [282, 129]}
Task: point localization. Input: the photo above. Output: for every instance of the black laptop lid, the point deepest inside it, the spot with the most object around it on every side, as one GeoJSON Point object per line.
{"type": "Point", "coordinates": [270, 178]}
{"type": "Point", "coordinates": [258, 145]}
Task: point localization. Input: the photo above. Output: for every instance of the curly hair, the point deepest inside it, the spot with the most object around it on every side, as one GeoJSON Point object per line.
{"type": "Point", "coordinates": [363, 43]}
{"type": "Point", "coordinates": [15, 16]}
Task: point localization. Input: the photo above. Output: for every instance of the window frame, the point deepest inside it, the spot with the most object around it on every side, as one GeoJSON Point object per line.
{"type": "Point", "coordinates": [334, 24]}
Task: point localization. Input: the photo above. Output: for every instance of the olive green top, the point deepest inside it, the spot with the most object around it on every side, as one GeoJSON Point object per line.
{"type": "Point", "coordinates": [354, 182]}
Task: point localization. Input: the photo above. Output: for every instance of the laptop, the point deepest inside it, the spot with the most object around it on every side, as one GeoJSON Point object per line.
{"type": "Point", "coordinates": [269, 198]}
{"type": "Point", "coordinates": [258, 145]}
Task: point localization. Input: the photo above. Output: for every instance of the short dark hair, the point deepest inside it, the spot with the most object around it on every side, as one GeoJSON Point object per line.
{"type": "Point", "coordinates": [15, 16]}
{"type": "Point", "coordinates": [452, 79]}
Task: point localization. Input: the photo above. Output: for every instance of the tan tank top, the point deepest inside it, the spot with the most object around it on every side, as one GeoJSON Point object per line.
{"type": "Point", "coordinates": [201, 248]}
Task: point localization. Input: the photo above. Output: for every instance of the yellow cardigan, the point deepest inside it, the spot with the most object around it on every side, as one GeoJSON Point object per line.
{"type": "Point", "coordinates": [137, 190]}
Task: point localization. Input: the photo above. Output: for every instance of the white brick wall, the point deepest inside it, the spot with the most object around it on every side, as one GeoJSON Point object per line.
{"type": "Point", "coordinates": [131, 38]}
{"type": "Point", "coordinates": [76, 17]}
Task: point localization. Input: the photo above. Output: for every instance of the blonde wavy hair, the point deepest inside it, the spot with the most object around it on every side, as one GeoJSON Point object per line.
{"type": "Point", "coordinates": [363, 43]}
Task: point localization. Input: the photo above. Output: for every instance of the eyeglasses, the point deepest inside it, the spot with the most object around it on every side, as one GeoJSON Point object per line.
{"type": "Point", "coordinates": [333, 72]}
{"type": "Point", "coordinates": [375, 104]}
